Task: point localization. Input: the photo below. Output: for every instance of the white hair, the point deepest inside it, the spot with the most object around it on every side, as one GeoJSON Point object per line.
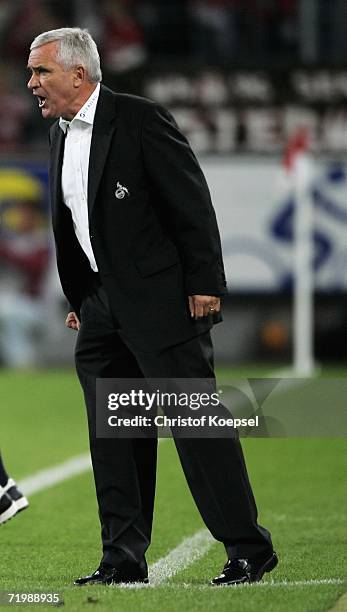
{"type": "Point", "coordinates": [76, 47]}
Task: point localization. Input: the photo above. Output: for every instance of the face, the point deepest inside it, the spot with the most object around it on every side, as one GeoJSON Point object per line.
{"type": "Point", "coordinates": [55, 88]}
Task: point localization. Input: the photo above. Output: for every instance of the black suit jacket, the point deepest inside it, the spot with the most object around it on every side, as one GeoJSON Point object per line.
{"type": "Point", "coordinates": [155, 245]}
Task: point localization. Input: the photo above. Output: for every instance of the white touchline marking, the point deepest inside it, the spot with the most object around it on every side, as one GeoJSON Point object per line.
{"type": "Point", "coordinates": [189, 550]}
{"type": "Point", "coordinates": [284, 518]}
{"type": "Point", "coordinates": [295, 583]}
{"type": "Point", "coordinates": [179, 558]}
{"type": "Point", "coordinates": [44, 479]}
{"type": "Point", "coordinates": [253, 585]}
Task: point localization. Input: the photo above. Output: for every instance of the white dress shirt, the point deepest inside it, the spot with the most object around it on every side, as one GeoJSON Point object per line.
{"type": "Point", "coordinates": [74, 176]}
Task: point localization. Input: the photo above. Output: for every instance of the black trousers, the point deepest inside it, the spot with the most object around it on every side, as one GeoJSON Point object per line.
{"type": "Point", "coordinates": [125, 469]}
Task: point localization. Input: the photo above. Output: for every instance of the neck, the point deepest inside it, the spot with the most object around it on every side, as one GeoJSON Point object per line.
{"type": "Point", "coordinates": [79, 101]}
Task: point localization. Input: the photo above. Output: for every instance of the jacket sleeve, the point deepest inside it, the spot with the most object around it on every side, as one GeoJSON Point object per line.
{"type": "Point", "coordinates": [177, 178]}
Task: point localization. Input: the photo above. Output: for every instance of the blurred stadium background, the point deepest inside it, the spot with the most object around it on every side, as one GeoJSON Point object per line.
{"type": "Point", "coordinates": [243, 78]}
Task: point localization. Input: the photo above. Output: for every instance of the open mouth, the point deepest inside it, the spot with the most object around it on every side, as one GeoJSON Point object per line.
{"type": "Point", "coordinates": [42, 101]}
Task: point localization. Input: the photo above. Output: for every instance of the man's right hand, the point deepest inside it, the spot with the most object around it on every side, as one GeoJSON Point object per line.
{"type": "Point", "coordinates": [72, 321]}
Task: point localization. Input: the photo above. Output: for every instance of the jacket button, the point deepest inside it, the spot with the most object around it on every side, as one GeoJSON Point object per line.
{"type": "Point", "coordinates": [91, 236]}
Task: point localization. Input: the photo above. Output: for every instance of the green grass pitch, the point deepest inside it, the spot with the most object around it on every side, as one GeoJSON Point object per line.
{"type": "Point", "coordinates": [299, 486]}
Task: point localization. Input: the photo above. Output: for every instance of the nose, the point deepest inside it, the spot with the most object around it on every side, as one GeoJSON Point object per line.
{"type": "Point", "coordinates": [33, 82]}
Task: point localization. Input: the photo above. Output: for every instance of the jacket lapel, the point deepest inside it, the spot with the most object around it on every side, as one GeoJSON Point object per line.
{"type": "Point", "coordinates": [103, 131]}
{"type": "Point", "coordinates": [56, 162]}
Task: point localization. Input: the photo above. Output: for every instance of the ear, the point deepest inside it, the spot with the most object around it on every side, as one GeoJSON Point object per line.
{"type": "Point", "coordinates": [79, 76]}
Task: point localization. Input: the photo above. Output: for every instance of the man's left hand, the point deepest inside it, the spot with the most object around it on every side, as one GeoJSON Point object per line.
{"type": "Point", "coordinates": [203, 305]}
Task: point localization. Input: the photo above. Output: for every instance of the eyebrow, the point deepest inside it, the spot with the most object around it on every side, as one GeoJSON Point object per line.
{"type": "Point", "coordinates": [40, 67]}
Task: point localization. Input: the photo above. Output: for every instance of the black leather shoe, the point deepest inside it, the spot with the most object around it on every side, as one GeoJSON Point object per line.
{"type": "Point", "coordinates": [125, 572]}
{"type": "Point", "coordinates": [239, 571]}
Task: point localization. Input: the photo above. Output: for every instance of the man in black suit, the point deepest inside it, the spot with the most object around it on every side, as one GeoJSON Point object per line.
{"type": "Point", "coordinates": [139, 259]}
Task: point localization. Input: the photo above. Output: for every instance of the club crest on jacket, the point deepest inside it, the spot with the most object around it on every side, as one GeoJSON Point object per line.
{"type": "Point", "coordinates": [121, 191]}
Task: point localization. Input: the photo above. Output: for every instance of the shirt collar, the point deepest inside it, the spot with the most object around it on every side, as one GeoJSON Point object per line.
{"type": "Point", "coordinates": [86, 114]}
